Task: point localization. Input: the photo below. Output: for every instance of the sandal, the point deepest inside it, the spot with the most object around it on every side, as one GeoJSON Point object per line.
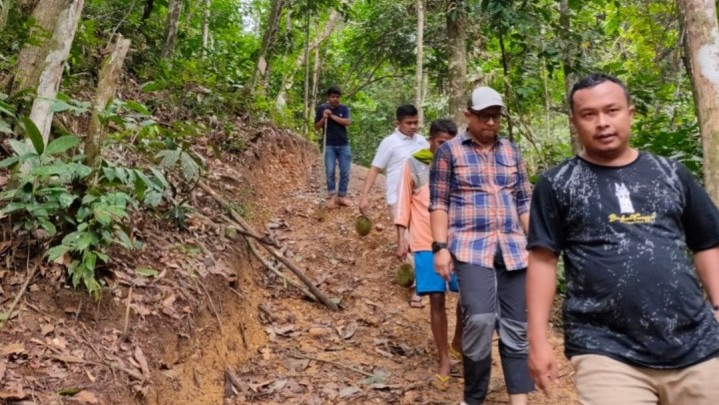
{"type": "Point", "coordinates": [441, 383]}
{"type": "Point", "coordinates": [454, 354]}
{"type": "Point", "coordinates": [416, 301]}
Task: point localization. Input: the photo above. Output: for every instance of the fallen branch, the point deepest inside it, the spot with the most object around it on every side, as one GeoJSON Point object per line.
{"type": "Point", "coordinates": [274, 270]}
{"type": "Point", "coordinates": [127, 314]}
{"type": "Point", "coordinates": [248, 228]}
{"type": "Point", "coordinates": [334, 363]}
{"type": "Point", "coordinates": [212, 306]}
{"type": "Point", "coordinates": [69, 358]}
{"type": "Point", "coordinates": [253, 248]}
{"type": "Point", "coordinates": [31, 274]}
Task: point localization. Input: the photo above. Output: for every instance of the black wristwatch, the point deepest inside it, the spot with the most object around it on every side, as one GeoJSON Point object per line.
{"type": "Point", "coordinates": [437, 246]}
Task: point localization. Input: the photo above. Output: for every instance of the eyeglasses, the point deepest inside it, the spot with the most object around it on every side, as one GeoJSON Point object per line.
{"type": "Point", "coordinates": [484, 117]}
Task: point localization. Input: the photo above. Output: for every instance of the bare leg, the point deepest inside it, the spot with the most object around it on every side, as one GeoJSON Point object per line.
{"type": "Point", "coordinates": [438, 317]}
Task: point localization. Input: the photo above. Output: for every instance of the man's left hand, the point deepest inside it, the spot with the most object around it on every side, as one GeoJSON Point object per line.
{"type": "Point", "coordinates": [401, 251]}
{"type": "Point", "coordinates": [327, 113]}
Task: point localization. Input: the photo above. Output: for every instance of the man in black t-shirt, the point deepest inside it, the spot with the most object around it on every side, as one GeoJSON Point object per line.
{"type": "Point", "coordinates": [334, 118]}
{"type": "Point", "coordinates": [638, 328]}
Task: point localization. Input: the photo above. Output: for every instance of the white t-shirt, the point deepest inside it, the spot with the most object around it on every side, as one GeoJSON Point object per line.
{"type": "Point", "coordinates": [391, 155]}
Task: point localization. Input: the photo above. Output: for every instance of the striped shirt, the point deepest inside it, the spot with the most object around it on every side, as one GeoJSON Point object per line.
{"type": "Point", "coordinates": [484, 193]}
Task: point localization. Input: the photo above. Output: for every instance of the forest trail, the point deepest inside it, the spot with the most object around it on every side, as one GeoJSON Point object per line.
{"type": "Point", "coordinates": [194, 318]}
{"type": "Point", "coordinates": [376, 350]}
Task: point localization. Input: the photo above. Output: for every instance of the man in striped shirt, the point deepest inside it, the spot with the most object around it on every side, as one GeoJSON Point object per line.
{"type": "Point", "coordinates": [479, 203]}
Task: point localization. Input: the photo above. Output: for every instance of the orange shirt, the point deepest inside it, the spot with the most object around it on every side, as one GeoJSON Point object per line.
{"type": "Point", "coordinates": [412, 207]}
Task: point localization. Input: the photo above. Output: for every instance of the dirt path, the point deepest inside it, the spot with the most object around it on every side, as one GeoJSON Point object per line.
{"type": "Point", "coordinates": [376, 350]}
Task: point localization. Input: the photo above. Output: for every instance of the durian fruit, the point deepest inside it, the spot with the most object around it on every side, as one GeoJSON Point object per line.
{"type": "Point", "coordinates": [363, 225]}
{"type": "Point", "coordinates": [404, 275]}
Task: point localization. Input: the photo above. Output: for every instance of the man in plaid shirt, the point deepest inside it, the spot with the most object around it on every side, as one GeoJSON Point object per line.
{"type": "Point", "coordinates": [480, 195]}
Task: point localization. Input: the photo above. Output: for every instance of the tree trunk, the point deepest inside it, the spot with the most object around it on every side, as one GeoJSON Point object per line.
{"type": "Point", "coordinates": [31, 60]}
{"type": "Point", "coordinates": [702, 39]}
{"type": "Point", "coordinates": [419, 99]}
{"type": "Point", "coordinates": [567, 63]}
{"type": "Point", "coordinates": [5, 7]}
{"type": "Point", "coordinates": [288, 80]}
{"type": "Point", "coordinates": [205, 27]}
{"type": "Point", "coordinates": [106, 86]}
{"type": "Point", "coordinates": [50, 78]}
{"type": "Point", "coordinates": [306, 99]}
{"type": "Point", "coordinates": [268, 42]}
{"type": "Point", "coordinates": [505, 70]}
{"type": "Point", "coordinates": [149, 5]}
{"type": "Point", "coordinates": [315, 79]}
{"type": "Point", "coordinates": [457, 75]}
{"type": "Point", "coordinates": [173, 21]}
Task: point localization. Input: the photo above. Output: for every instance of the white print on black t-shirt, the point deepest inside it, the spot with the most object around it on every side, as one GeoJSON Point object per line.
{"type": "Point", "coordinates": [625, 202]}
{"type": "Point", "coordinates": [626, 208]}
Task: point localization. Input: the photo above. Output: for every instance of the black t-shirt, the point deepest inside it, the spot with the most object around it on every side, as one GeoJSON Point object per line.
{"type": "Point", "coordinates": [625, 233]}
{"type": "Point", "coordinates": [336, 133]}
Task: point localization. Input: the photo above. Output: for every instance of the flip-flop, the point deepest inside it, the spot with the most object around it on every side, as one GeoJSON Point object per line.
{"type": "Point", "coordinates": [454, 354]}
{"type": "Point", "coordinates": [416, 302]}
{"type": "Point", "coordinates": [441, 383]}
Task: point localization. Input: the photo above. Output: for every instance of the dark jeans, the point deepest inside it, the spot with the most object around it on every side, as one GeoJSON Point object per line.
{"type": "Point", "coordinates": [335, 155]}
{"type": "Point", "coordinates": [493, 298]}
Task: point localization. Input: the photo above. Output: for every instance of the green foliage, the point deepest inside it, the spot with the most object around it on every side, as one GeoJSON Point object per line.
{"type": "Point", "coordinates": [53, 194]}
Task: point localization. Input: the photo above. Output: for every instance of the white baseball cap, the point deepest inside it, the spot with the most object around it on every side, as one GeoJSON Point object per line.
{"type": "Point", "coordinates": [485, 97]}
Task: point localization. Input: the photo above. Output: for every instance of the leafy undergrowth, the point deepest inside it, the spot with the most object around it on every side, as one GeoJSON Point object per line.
{"type": "Point", "coordinates": [155, 324]}
{"type": "Point", "coordinates": [195, 318]}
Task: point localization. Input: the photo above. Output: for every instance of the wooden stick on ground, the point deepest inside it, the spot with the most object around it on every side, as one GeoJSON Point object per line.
{"type": "Point", "coordinates": [299, 273]}
{"type": "Point", "coordinates": [253, 248]}
{"type": "Point", "coordinates": [127, 314]}
{"type": "Point", "coordinates": [272, 268]}
{"type": "Point", "coordinates": [214, 311]}
{"type": "Point", "coordinates": [30, 275]}
{"type": "Point", "coordinates": [334, 363]}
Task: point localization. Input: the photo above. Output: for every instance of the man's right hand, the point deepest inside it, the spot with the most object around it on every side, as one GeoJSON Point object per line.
{"type": "Point", "coordinates": [363, 204]}
{"type": "Point", "coordinates": [443, 264]}
{"type": "Point", "coordinates": [542, 365]}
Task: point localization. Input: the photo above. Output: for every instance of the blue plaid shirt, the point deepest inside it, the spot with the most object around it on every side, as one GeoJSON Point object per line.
{"type": "Point", "coordinates": [484, 193]}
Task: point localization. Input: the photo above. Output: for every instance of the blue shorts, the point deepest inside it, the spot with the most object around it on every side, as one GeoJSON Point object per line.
{"type": "Point", "coordinates": [427, 280]}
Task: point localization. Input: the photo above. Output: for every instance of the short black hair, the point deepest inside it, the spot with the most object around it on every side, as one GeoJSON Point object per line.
{"type": "Point", "coordinates": [596, 79]}
{"type": "Point", "coordinates": [407, 110]}
{"type": "Point", "coordinates": [334, 90]}
{"type": "Point", "coordinates": [442, 125]}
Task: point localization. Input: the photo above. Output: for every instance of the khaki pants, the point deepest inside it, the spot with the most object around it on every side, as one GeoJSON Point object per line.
{"type": "Point", "coordinates": [601, 380]}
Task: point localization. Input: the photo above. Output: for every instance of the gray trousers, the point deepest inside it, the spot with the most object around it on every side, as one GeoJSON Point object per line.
{"type": "Point", "coordinates": [493, 299]}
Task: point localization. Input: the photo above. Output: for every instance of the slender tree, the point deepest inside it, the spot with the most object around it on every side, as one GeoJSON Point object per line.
{"type": "Point", "coordinates": [174, 8]}
{"type": "Point", "coordinates": [31, 60]}
{"type": "Point", "coordinates": [702, 42]}
{"type": "Point", "coordinates": [106, 86]}
{"type": "Point", "coordinates": [205, 26]}
{"type": "Point", "coordinates": [49, 81]}
{"type": "Point", "coordinates": [567, 62]}
{"type": "Point", "coordinates": [259, 76]}
{"type": "Point", "coordinates": [419, 90]}
{"type": "Point", "coordinates": [5, 6]}
{"type": "Point", "coordinates": [457, 60]}
{"type": "Point", "coordinates": [287, 82]}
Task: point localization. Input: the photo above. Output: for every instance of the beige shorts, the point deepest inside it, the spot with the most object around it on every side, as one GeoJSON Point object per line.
{"type": "Point", "coordinates": [601, 380]}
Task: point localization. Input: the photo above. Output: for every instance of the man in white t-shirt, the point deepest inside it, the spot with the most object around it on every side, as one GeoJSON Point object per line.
{"type": "Point", "coordinates": [391, 155]}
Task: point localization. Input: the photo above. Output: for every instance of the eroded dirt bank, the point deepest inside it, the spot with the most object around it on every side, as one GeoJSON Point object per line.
{"type": "Point", "coordinates": [214, 307]}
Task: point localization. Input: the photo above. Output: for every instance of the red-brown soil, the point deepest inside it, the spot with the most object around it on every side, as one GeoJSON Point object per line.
{"type": "Point", "coordinates": [214, 307]}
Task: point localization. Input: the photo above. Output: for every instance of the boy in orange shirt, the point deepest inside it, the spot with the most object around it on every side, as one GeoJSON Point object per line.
{"type": "Point", "coordinates": [413, 213]}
